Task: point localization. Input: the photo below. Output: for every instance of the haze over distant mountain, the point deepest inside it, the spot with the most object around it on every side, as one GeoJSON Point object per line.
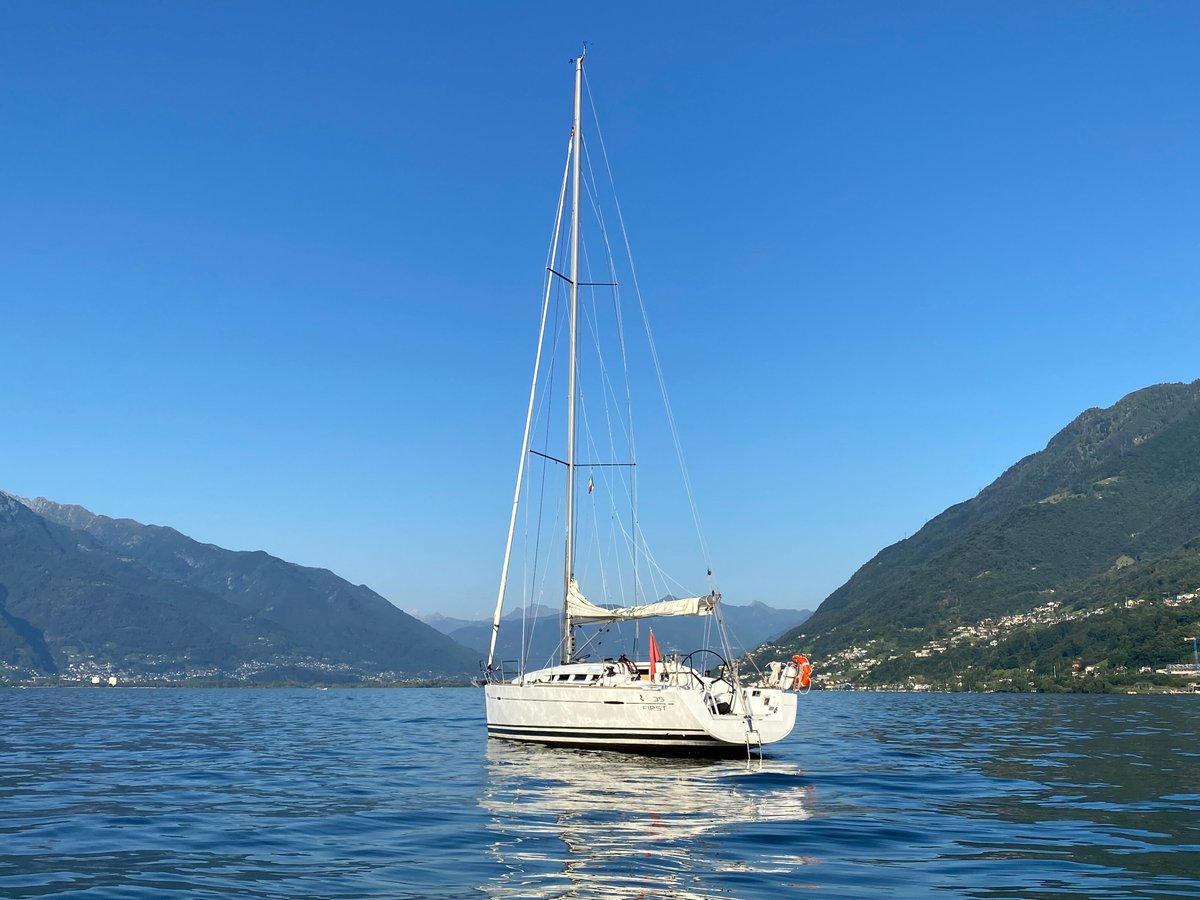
{"type": "Point", "coordinates": [1090, 547]}
{"type": "Point", "coordinates": [81, 592]}
{"type": "Point", "coordinates": [449, 624]}
{"type": "Point", "coordinates": [748, 626]}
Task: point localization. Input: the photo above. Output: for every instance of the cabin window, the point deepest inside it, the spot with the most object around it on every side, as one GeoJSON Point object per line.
{"type": "Point", "coordinates": [563, 677]}
{"type": "Point", "coordinates": [581, 678]}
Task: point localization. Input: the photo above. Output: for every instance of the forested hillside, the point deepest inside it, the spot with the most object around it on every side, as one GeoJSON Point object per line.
{"type": "Point", "coordinates": [82, 593]}
{"type": "Point", "coordinates": [1108, 513]}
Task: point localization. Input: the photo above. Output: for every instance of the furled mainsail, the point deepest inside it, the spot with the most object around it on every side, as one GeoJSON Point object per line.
{"type": "Point", "coordinates": [581, 610]}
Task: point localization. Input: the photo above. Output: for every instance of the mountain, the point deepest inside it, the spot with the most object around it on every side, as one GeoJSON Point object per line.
{"type": "Point", "coordinates": [449, 625]}
{"type": "Point", "coordinates": [81, 592]}
{"type": "Point", "coordinates": [1095, 519]}
{"type": "Point", "coordinates": [748, 626]}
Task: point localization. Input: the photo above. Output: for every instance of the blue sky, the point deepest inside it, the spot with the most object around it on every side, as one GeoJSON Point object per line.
{"type": "Point", "coordinates": [269, 272]}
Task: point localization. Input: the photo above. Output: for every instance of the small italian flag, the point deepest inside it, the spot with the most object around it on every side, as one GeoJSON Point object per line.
{"type": "Point", "coordinates": [591, 484]}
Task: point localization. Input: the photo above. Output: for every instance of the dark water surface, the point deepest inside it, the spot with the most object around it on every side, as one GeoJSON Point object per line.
{"type": "Point", "coordinates": [398, 793]}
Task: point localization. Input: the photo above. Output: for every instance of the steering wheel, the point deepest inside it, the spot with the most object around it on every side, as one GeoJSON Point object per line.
{"type": "Point", "coordinates": [687, 661]}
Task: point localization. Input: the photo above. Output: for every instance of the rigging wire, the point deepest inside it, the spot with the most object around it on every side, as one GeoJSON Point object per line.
{"type": "Point", "coordinates": [591, 319]}
{"type": "Point", "coordinates": [532, 590]}
{"type": "Point", "coordinates": [496, 616]}
{"type": "Point", "coordinates": [650, 338]}
{"type": "Point", "coordinates": [618, 317]}
{"type": "Point", "coordinates": [635, 537]}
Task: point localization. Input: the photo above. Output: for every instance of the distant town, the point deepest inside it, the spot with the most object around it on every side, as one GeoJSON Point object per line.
{"type": "Point", "coordinates": [846, 667]}
{"type": "Point", "coordinates": [302, 670]}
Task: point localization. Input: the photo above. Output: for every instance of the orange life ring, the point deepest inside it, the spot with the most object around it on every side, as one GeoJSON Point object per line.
{"type": "Point", "coordinates": [803, 672]}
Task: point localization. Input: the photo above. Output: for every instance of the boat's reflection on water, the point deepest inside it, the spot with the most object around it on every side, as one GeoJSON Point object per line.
{"type": "Point", "coordinates": [585, 823]}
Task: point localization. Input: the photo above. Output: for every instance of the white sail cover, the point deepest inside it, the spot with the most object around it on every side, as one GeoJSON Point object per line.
{"type": "Point", "coordinates": [581, 609]}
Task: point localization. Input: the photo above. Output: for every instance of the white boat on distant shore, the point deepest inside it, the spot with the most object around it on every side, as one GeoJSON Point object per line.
{"type": "Point", "coordinates": [699, 701]}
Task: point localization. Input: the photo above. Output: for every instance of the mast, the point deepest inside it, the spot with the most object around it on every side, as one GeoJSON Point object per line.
{"type": "Point", "coordinates": [568, 643]}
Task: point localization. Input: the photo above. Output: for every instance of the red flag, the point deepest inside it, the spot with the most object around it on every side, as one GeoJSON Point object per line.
{"type": "Point", "coordinates": [655, 656]}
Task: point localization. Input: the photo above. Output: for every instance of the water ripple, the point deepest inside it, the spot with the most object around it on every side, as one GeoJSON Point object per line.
{"type": "Point", "coordinates": [113, 793]}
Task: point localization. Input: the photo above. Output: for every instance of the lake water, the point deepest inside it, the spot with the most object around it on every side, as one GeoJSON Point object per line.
{"type": "Point", "coordinates": [145, 793]}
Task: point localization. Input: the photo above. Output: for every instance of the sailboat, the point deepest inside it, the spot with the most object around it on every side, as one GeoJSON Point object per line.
{"type": "Point", "coordinates": [698, 701]}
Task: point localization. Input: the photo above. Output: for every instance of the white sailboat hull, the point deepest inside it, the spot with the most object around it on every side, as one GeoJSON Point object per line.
{"type": "Point", "coordinates": [635, 717]}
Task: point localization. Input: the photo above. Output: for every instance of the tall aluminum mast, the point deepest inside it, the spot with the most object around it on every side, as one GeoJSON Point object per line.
{"type": "Point", "coordinates": [568, 643]}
